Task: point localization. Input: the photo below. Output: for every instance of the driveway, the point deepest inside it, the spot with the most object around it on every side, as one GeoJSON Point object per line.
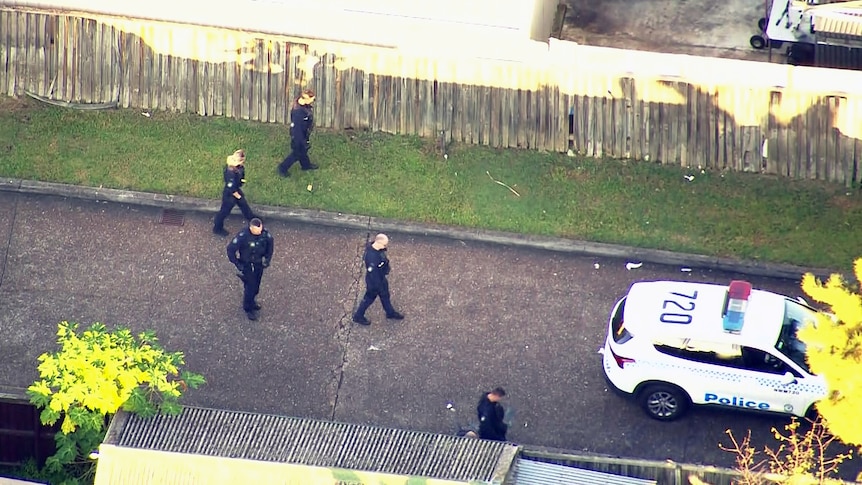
{"type": "Point", "coordinates": [695, 27]}
{"type": "Point", "coordinates": [478, 315]}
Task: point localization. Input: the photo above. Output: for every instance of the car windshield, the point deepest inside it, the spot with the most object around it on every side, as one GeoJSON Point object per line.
{"type": "Point", "coordinates": [796, 315]}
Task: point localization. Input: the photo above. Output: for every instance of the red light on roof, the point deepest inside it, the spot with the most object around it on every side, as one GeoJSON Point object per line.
{"type": "Point", "coordinates": [739, 290]}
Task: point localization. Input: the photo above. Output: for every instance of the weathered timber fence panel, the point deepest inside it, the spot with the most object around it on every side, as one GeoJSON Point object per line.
{"type": "Point", "coordinates": [678, 110]}
{"type": "Point", "coordinates": [22, 435]}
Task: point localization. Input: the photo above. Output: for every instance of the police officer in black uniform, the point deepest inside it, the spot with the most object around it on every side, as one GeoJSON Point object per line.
{"type": "Point", "coordinates": [251, 252]}
{"type": "Point", "coordinates": [376, 285]}
{"type": "Point", "coordinates": [234, 177]}
{"type": "Point", "coordinates": [491, 416]}
{"type": "Point", "coordinates": [301, 124]}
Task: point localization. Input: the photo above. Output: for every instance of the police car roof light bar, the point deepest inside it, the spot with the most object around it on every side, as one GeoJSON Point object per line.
{"type": "Point", "coordinates": [735, 305]}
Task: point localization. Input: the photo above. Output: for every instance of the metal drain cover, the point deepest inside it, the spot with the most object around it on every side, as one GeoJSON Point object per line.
{"type": "Point", "coordinates": [172, 217]}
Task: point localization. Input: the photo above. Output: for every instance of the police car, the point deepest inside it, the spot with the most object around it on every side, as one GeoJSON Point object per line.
{"type": "Point", "coordinates": [671, 344]}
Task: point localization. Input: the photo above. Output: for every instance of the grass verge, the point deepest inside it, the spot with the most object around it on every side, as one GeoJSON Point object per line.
{"type": "Point", "coordinates": [745, 216]}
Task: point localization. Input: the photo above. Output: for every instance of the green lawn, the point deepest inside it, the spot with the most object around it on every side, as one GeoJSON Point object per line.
{"type": "Point", "coordinates": [743, 216]}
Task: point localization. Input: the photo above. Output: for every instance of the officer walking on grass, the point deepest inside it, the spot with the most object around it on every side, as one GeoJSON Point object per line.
{"type": "Point", "coordinates": [301, 124]}
{"type": "Point", "coordinates": [251, 252]}
{"type": "Point", "coordinates": [234, 178]}
{"type": "Point", "coordinates": [376, 285]}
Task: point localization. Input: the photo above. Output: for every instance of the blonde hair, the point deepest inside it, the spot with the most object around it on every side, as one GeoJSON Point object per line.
{"type": "Point", "coordinates": [307, 97]}
{"type": "Point", "coordinates": [237, 158]}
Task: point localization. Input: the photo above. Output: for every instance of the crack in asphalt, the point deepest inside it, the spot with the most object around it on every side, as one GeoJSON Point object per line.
{"type": "Point", "coordinates": [345, 323]}
{"type": "Point", "coordinates": [9, 240]}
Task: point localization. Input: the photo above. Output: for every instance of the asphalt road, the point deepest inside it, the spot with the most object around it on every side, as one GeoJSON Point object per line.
{"type": "Point", "coordinates": [478, 315]}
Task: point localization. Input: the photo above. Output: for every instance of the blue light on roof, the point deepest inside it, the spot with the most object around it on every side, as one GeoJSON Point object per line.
{"type": "Point", "coordinates": [734, 309]}
{"type": "Point", "coordinates": [732, 322]}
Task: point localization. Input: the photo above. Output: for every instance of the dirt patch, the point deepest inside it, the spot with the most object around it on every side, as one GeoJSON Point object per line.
{"type": "Point", "coordinates": [847, 203]}
{"type": "Point", "coordinates": [16, 105]}
{"type": "Point", "coordinates": [695, 27]}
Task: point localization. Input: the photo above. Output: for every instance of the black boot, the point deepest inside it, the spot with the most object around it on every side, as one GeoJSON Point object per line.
{"type": "Point", "coordinates": [360, 319]}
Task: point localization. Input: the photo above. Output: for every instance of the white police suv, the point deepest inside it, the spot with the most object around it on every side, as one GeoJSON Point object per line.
{"type": "Point", "coordinates": [671, 344]}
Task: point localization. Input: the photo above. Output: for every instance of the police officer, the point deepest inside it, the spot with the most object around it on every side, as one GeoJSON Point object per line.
{"type": "Point", "coordinates": [376, 285]}
{"type": "Point", "coordinates": [251, 252]}
{"type": "Point", "coordinates": [301, 124]}
{"type": "Point", "coordinates": [491, 414]}
{"type": "Point", "coordinates": [234, 177]}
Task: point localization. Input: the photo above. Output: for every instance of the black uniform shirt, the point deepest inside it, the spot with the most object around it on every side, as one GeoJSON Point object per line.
{"type": "Point", "coordinates": [376, 266]}
{"type": "Point", "coordinates": [248, 248]}
{"type": "Point", "coordinates": [491, 425]}
{"type": "Point", "coordinates": [234, 177]}
{"type": "Point", "coordinates": [301, 122]}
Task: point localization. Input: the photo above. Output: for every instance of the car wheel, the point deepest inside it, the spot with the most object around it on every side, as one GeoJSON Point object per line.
{"type": "Point", "coordinates": [663, 402]}
{"type": "Point", "coordinates": [757, 42]}
{"type": "Point", "coordinates": [761, 24]}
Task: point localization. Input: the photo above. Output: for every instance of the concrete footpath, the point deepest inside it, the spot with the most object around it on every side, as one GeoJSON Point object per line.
{"type": "Point", "coordinates": [483, 309]}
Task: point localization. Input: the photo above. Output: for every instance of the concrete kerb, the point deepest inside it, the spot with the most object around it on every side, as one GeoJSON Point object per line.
{"type": "Point", "coordinates": [375, 224]}
{"type": "Point", "coordinates": [13, 394]}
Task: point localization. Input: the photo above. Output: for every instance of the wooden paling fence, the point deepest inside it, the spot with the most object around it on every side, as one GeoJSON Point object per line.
{"type": "Point", "coordinates": [679, 110]}
{"type": "Point", "coordinates": [22, 435]}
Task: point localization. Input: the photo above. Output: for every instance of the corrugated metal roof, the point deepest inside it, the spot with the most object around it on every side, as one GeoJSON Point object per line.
{"type": "Point", "coordinates": [272, 438]}
{"type": "Point", "coordinates": [530, 472]}
{"type": "Point", "coordinates": [839, 23]}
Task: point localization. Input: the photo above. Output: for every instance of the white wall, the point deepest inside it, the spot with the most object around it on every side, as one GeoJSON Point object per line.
{"type": "Point", "coordinates": [543, 19]}
{"type": "Point", "coordinates": [379, 22]}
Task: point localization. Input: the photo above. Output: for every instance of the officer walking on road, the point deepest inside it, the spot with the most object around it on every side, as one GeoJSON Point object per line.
{"type": "Point", "coordinates": [301, 124]}
{"type": "Point", "coordinates": [251, 252]}
{"type": "Point", "coordinates": [376, 285]}
{"type": "Point", "coordinates": [234, 178]}
{"type": "Point", "coordinates": [491, 414]}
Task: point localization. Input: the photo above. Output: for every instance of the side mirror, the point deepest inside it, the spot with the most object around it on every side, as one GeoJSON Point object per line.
{"type": "Point", "coordinates": [787, 379]}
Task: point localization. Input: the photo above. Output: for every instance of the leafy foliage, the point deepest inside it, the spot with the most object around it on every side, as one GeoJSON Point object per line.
{"type": "Point", "coordinates": [96, 373]}
{"type": "Point", "coordinates": [801, 457]}
{"type": "Point", "coordinates": [835, 352]}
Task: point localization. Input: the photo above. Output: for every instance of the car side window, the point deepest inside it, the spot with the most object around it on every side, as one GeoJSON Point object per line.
{"type": "Point", "coordinates": [748, 359]}
{"type": "Point", "coordinates": [704, 357]}
{"type": "Point", "coordinates": [759, 361]}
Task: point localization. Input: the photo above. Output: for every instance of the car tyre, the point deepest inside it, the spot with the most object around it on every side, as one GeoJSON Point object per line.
{"type": "Point", "coordinates": [757, 41]}
{"type": "Point", "coordinates": [664, 402]}
{"type": "Point", "coordinates": [761, 24]}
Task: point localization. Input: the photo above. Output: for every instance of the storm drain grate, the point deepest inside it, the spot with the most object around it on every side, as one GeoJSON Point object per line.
{"type": "Point", "coordinates": [172, 217]}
